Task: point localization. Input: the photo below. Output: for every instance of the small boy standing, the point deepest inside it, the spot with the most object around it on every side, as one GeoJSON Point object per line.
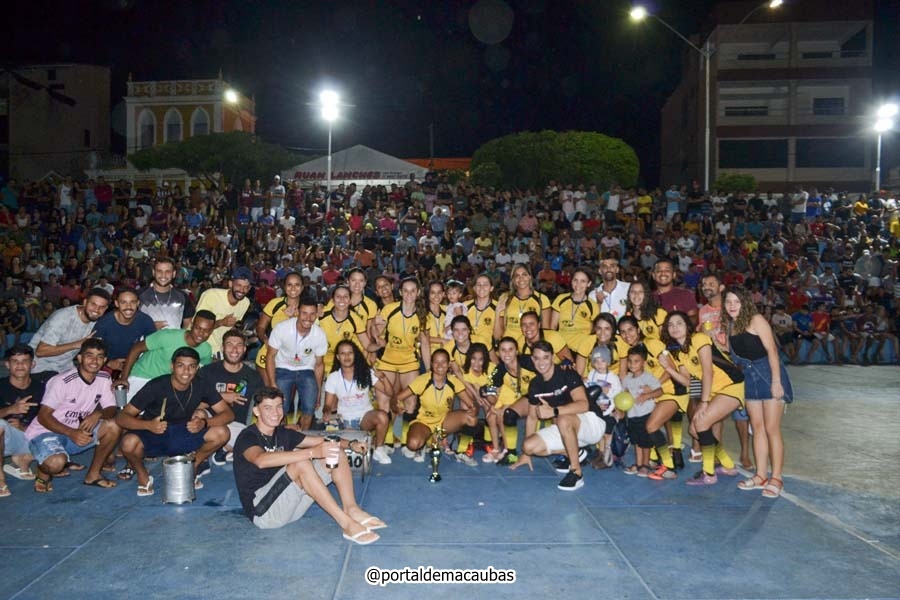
{"type": "Point", "coordinates": [645, 388]}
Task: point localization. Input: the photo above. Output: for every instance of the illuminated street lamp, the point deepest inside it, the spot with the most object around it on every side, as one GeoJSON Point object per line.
{"type": "Point", "coordinates": [231, 96]}
{"type": "Point", "coordinates": [884, 123]}
{"type": "Point", "coordinates": [639, 13]}
{"type": "Point", "coordinates": [329, 102]}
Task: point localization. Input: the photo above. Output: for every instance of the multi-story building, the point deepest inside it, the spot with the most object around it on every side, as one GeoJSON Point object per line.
{"type": "Point", "coordinates": [790, 98]}
{"type": "Point", "coordinates": [158, 112]}
{"type": "Point", "coordinates": [53, 118]}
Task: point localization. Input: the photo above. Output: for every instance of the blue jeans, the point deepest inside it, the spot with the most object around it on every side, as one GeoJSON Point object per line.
{"type": "Point", "coordinates": [307, 389]}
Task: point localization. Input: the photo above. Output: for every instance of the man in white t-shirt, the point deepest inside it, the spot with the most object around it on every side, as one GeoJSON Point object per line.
{"type": "Point", "coordinates": [798, 205]}
{"type": "Point", "coordinates": [612, 293]}
{"type": "Point", "coordinates": [276, 198]}
{"type": "Point", "coordinates": [295, 359]}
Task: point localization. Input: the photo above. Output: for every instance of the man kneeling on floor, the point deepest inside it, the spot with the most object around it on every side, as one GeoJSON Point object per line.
{"type": "Point", "coordinates": [77, 413]}
{"type": "Point", "coordinates": [165, 419]}
{"type": "Point", "coordinates": [280, 472]}
{"type": "Point", "coordinates": [559, 394]}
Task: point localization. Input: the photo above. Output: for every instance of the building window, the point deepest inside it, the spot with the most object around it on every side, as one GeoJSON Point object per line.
{"type": "Point", "coordinates": [199, 122]}
{"type": "Point", "coordinates": [147, 129]}
{"type": "Point", "coordinates": [747, 111]}
{"type": "Point", "coordinates": [757, 56]}
{"type": "Point", "coordinates": [753, 154]}
{"type": "Point", "coordinates": [828, 106]}
{"type": "Point", "coordinates": [87, 138]}
{"type": "Point", "coordinates": [173, 126]}
{"type": "Point", "coordinates": [830, 153]}
{"type": "Point", "coordinates": [51, 74]}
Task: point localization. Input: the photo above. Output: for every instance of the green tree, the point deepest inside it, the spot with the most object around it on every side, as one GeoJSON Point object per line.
{"type": "Point", "coordinates": [731, 183]}
{"type": "Point", "coordinates": [531, 159]}
{"type": "Point", "coordinates": [487, 174]}
{"type": "Point", "coordinates": [219, 157]}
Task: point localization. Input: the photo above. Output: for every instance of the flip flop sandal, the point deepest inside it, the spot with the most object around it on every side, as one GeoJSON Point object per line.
{"type": "Point", "coordinates": [376, 523]}
{"type": "Point", "coordinates": [356, 538]}
{"type": "Point", "coordinates": [101, 482]}
{"type": "Point", "coordinates": [756, 482]}
{"type": "Point", "coordinates": [43, 486]}
{"type": "Point", "coordinates": [4, 491]}
{"type": "Point", "coordinates": [125, 474]}
{"type": "Point", "coordinates": [18, 472]}
{"type": "Point", "coordinates": [772, 489]}
{"type": "Point", "coordinates": [146, 490]}
{"type": "Point", "coordinates": [74, 466]}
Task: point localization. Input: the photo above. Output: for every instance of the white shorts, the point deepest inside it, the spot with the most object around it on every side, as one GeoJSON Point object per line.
{"type": "Point", "coordinates": [590, 431]}
{"type": "Point", "coordinates": [291, 501]}
{"type": "Point", "coordinates": [234, 430]}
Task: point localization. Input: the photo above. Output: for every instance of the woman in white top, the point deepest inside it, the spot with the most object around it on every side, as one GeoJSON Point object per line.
{"type": "Point", "coordinates": [348, 397]}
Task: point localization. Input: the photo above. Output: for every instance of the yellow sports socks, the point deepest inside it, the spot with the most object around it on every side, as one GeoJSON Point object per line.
{"type": "Point", "coordinates": [654, 455]}
{"type": "Point", "coordinates": [464, 442]}
{"type": "Point", "coordinates": [511, 433]}
{"type": "Point", "coordinates": [709, 459]}
{"type": "Point", "coordinates": [722, 456]}
{"type": "Point", "coordinates": [677, 431]}
{"type": "Point", "coordinates": [665, 456]}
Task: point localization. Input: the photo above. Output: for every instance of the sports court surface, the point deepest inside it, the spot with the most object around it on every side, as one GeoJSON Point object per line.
{"type": "Point", "coordinates": [835, 533]}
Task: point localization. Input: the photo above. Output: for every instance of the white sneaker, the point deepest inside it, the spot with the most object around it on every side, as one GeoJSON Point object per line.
{"type": "Point", "coordinates": [419, 456]}
{"type": "Point", "coordinates": [380, 456]}
{"type": "Point", "coordinates": [407, 453]}
{"type": "Point", "coordinates": [466, 459]}
{"type": "Point", "coordinates": [388, 449]}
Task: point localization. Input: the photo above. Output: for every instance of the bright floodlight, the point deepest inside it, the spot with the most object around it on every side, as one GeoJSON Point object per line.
{"type": "Point", "coordinates": [883, 125]}
{"type": "Point", "coordinates": [638, 13]}
{"type": "Point", "coordinates": [329, 112]}
{"type": "Point", "coordinates": [329, 98]}
{"type": "Point", "coordinates": [231, 96]}
{"type": "Point", "coordinates": [887, 111]}
{"type": "Point", "coordinates": [775, 3]}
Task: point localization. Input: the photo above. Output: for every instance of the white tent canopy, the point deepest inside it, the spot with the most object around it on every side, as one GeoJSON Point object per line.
{"type": "Point", "coordinates": [358, 164]}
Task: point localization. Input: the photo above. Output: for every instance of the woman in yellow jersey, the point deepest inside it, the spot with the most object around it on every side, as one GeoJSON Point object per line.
{"type": "Point", "coordinates": [642, 305]}
{"type": "Point", "coordinates": [340, 323]}
{"type": "Point", "coordinates": [458, 346]}
{"type": "Point", "coordinates": [434, 320]}
{"type": "Point", "coordinates": [694, 354]}
{"type": "Point", "coordinates": [429, 398]}
{"type": "Point", "coordinates": [476, 372]}
{"type": "Point", "coordinates": [572, 313]}
{"type": "Point", "coordinates": [521, 298]}
{"type": "Point", "coordinates": [674, 398]}
{"type": "Point", "coordinates": [360, 304]}
{"type": "Point", "coordinates": [482, 311]}
{"type": "Point", "coordinates": [400, 332]}
{"type": "Point", "coordinates": [604, 334]}
{"type": "Point", "coordinates": [509, 383]}
{"type": "Point", "coordinates": [276, 311]}
{"type": "Point", "coordinates": [532, 332]}
{"type": "Point", "coordinates": [384, 292]}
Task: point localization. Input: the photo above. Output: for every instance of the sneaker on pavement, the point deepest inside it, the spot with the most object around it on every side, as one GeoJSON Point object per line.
{"type": "Point", "coordinates": [407, 453]}
{"type": "Point", "coordinates": [470, 451]}
{"type": "Point", "coordinates": [561, 464]}
{"type": "Point", "coordinates": [466, 459]}
{"type": "Point", "coordinates": [218, 458]}
{"type": "Point", "coordinates": [663, 472]}
{"type": "Point", "coordinates": [419, 456]}
{"type": "Point", "coordinates": [702, 478]}
{"type": "Point", "coordinates": [720, 470]}
{"type": "Point", "coordinates": [571, 482]}
{"type": "Point", "coordinates": [203, 469]}
{"type": "Point", "coordinates": [380, 456]}
{"type": "Point", "coordinates": [229, 456]}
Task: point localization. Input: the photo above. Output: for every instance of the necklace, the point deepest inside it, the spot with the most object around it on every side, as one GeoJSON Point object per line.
{"type": "Point", "coordinates": [269, 442]}
{"type": "Point", "coordinates": [183, 405]}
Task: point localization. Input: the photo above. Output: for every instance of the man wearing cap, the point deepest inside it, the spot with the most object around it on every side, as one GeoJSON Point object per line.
{"type": "Point", "coordinates": [229, 305]}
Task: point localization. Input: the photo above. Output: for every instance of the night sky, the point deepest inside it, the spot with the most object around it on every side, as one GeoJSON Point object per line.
{"type": "Point", "coordinates": [475, 74]}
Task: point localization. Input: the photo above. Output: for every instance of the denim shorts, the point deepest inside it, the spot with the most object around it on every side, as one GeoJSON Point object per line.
{"type": "Point", "coordinates": [47, 444]}
{"type": "Point", "coordinates": [307, 389]}
{"type": "Point", "coordinates": [14, 441]}
{"type": "Point", "coordinates": [758, 379]}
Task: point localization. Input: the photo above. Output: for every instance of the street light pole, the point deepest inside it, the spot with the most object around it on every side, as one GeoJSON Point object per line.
{"type": "Point", "coordinates": [885, 122]}
{"type": "Point", "coordinates": [329, 102]}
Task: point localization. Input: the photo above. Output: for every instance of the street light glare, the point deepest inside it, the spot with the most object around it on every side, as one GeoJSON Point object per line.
{"type": "Point", "coordinates": [231, 96]}
{"type": "Point", "coordinates": [638, 13]}
{"type": "Point", "coordinates": [329, 98]}
{"type": "Point", "coordinates": [883, 125]}
{"type": "Point", "coordinates": [887, 111]}
{"type": "Point", "coordinates": [330, 112]}
{"type": "Point", "coordinates": [775, 3]}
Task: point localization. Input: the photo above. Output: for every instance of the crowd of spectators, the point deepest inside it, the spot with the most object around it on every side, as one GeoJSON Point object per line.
{"type": "Point", "coordinates": [828, 259]}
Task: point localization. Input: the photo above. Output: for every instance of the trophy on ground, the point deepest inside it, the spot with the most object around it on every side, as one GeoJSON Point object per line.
{"type": "Point", "coordinates": [436, 438]}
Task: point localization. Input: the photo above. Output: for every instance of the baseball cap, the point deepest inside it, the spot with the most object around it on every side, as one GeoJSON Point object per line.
{"type": "Point", "coordinates": [242, 273]}
{"type": "Point", "coordinates": [601, 352]}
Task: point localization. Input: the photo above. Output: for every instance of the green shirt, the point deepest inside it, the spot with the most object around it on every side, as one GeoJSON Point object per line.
{"type": "Point", "coordinates": [157, 360]}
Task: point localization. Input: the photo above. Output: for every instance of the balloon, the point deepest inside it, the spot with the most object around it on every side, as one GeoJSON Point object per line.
{"type": "Point", "coordinates": [624, 401]}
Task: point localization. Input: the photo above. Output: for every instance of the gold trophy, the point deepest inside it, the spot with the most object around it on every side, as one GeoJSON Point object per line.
{"type": "Point", "coordinates": [436, 438]}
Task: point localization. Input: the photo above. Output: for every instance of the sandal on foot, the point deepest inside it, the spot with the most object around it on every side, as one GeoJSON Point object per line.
{"type": "Point", "coordinates": [101, 482]}
{"type": "Point", "coordinates": [632, 470]}
{"type": "Point", "coordinates": [198, 483]}
{"type": "Point", "coordinates": [4, 491]}
{"type": "Point", "coordinates": [18, 472]}
{"type": "Point", "coordinates": [376, 523]}
{"type": "Point", "coordinates": [757, 482]}
{"type": "Point", "coordinates": [43, 486]}
{"type": "Point", "coordinates": [125, 474]}
{"type": "Point", "coordinates": [357, 538]}
{"type": "Point", "coordinates": [74, 466]}
{"type": "Point", "coordinates": [773, 489]}
{"type": "Point", "coordinates": [146, 490]}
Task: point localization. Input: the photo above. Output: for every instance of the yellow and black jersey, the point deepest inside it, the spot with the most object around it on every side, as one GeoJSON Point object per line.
{"type": "Point", "coordinates": [402, 336]}
{"type": "Point", "coordinates": [670, 387]}
{"type": "Point", "coordinates": [727, 376]}
{"type": "Point", "coordinates": [652, 327]}
{"type": "Point", "coordinates": [435, 402]}
{"type": "Point", "coordinates": [482, 322]}
{"type": "Point", "coordinates": [511, 387]}
{"type": "Point", "coordinates": [275, 309]}
{"type": "Point", "coordinates": [477, 380]}
{"type": "Point", "coordinates": [575, 318]}
{"type": "Point", "coordinates": [365, 309]}
{"type": "Point", "coordinates": [434, 324]}
{"type": "Point", "coordinates": [456, 355]}
{"type": "Point", "coordinates": [555, 339]}
{"type": "Point", "coordinates": [336, 330]}
{"type": "Point", "coordinates": [515, 307]}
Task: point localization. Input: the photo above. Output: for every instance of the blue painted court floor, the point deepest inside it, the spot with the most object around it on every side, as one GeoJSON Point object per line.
{"type": "Point", "coordinates": [835, 533]}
